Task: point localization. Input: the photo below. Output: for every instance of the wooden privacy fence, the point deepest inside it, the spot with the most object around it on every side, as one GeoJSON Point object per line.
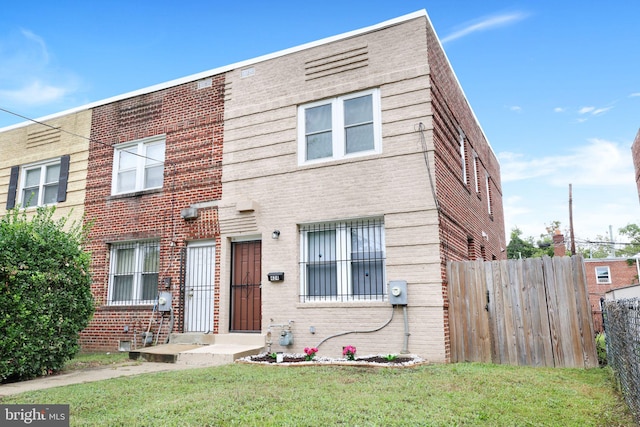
{"type": "Point", "coordinates": [532, 312]}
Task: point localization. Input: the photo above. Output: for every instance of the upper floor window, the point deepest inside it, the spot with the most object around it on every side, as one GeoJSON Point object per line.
{"type": "Point", "coordinates": [340, 127]}
{"type": "Point", "coordinates": [342, 261]}
{"type": "Point", "coordinates": [133, 276]}
{"type": "Point", "coordinates": [463, 155]}
{"type": "Point", "coordinates": [487, 180]}
{"type": "Point", "coordinates": [603, 275]}
{"type": "Point", "coordinates": [476, 177]}
{"type": "Point", "coordinates": [38, 184]}
{"type": "Point", "coordinates": [138, 165]}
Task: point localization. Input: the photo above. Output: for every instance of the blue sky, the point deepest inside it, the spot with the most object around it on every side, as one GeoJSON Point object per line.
{"type": "Point", "coordinates": [554, 84]}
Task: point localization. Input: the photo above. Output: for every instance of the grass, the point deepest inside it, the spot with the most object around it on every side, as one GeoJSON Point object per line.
{"type": "Point", "coordinates": [94, 360]}
{"type": "Point", "coordinates": [434, 395]}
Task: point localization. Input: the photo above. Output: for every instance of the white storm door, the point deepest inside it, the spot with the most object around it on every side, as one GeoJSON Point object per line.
{"type": "Point", "coordinates": [199, 287]}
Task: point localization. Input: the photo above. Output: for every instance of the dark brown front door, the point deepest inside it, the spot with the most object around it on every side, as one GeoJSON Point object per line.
{"type": "Point", "coordinates": [246, 284]}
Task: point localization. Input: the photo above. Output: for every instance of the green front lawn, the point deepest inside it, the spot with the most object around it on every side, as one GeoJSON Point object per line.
{"type": "Point", "coordinates": [257, 395]}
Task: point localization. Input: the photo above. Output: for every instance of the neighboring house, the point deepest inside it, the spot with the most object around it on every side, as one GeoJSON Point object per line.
{"type": "Point", "coordinates": [632, 291]}
{"type": "Point", "coordinates": [635, 154]}
{"type": "Point", "coordinates": [152, 155]}
{"type": "Point", "coordinates": [287, 195]}
{"type": "Point", "coordinates": [605, 275]}
{"type": "Point", "coordinates": [46, 164]}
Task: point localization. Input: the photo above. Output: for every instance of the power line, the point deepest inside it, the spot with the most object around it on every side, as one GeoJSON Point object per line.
{"type": "Point", "coordinates": [74, 134]}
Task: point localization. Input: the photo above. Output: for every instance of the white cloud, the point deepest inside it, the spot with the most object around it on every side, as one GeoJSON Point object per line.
{"type": "Point", "coordinates": [39, 41]}
{"type": "Point", "coordinates": [559, 110]}
{"type": "Point", "coordinates": [602, 176]}
{"type": "Point", "coordinates": [29, 75]}
{"type": "Point", "coordinates": [592, 111]}
{"type": "Point", "coordinates": [515, 108]}
{"type": "Point", "coordinates": [599, 163]}
{"type": "Point", "coordinates": [485, 24]}
{"type": "Point", "coordinates": [36, 93]}
{"type": "Point", "coordinates": [599, 111]}
{"type": "Point", "coordinates": [634, 94]}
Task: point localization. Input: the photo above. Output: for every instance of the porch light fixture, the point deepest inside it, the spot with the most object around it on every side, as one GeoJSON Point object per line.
{"type": "Point", "coordinates": [275, 234]}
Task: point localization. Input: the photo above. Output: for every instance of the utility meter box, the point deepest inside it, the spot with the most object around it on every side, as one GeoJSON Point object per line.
{"type": "Point", "coordinates": [164, 301]}
{"type": "Point", "coordinates": [398, 292]}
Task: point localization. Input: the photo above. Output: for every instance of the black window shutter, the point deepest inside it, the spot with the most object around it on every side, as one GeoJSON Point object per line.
{"type": "Point", "coordinates": [13, 187]}
{"type": "Point", "coordinates": [64, 178]}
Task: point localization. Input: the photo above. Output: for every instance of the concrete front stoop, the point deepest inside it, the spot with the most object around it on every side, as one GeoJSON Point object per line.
{"type": "Point", "coordinates": [196, 349]}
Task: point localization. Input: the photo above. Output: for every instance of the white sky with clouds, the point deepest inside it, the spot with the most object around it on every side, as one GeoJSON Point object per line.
{"type": "Point", "coordinates": [555, 85]}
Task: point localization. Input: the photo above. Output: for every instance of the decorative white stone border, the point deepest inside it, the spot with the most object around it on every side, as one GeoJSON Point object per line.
{"type": "Point", "coordinates": [415, 361]}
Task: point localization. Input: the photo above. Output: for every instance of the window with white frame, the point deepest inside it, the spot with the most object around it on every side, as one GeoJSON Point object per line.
{"type": "Point", "coordinates": [488, 185]}
{"type": "Point", "coordinates": [138, 165]}
{"type": "Point", "coordinates": [39, 184]}
{"type": "Point", "coordinates": [342, 261]}
{"type": "Point", "coordinates": [476, 177]}
{"type": "Point", "coordinates": [463, 156]}
{"type": "Point", "coordinates": [133, 276]}
{"type": "Point", "coordinates": [603, 275]}
{"type": "Point", "coordinates": [340, 127]}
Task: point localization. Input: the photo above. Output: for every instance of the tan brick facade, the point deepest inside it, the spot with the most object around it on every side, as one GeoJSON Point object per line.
{"type": "Point", "coordinates": [260, 164]}
{"type": "Point", "coordinates": [233, 154]}
{"type": "Point", "coordinates": [32, 143]}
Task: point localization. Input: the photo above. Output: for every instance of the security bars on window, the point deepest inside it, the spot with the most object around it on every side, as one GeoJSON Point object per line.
{"type": "Point", "coordinates": [342, 261]}
{"type": "Point", "coordinates": [133, 277]}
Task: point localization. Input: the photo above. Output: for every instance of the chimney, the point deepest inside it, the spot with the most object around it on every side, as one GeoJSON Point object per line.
{"type": "Point", "coordinates": [559, 248]}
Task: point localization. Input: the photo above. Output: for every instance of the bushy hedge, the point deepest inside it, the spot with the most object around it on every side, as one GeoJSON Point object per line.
{"type": "Point", "coordinates": [45, 293]}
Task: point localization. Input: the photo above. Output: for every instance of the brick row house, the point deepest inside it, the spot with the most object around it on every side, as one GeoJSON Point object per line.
{"type": "Point", "coordinates": [285, 196]}
{"type": "Point", "coordinates": [46, 164]}
{"type": "Point", "coordinates": [604, 275]}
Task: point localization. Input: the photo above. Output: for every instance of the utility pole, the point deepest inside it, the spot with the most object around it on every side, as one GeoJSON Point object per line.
{"type": "Point", "coordinates": [573, 239]}
{"type": "Point", "coordinates": [612, 249]}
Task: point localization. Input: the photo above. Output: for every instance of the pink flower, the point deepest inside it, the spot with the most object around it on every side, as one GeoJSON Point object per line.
{"type": "Point", "coordinates": [310, 352]}
{"type": "Point", "coordinates": [350, 352]}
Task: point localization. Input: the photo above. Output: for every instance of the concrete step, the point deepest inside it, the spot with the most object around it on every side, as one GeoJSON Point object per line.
{"type": "Point", "coordinates": [216, 354]}
{"type": "Point", "coordinates": [167, 353]}
{"type": "Point", "coordinates": [202, 349]}
{"type": "Point", "coordinates": [210, 339]}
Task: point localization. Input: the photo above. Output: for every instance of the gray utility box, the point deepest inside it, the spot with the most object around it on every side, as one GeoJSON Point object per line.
{"type": "Point", "coordinates": [164, 301]}
{"type": "Point", "coordinates": [398, 292]}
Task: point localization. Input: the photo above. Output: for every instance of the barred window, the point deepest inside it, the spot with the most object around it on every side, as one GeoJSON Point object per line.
{"type": "Point", "coordinates": [133, 277]}
{"type": "Point", "coordinates": [342, 261]}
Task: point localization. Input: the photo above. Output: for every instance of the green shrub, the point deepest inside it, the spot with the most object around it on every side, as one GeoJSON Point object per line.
{"type": "Point", "coordinates": [45, 293]}
{"type": "Point", "coordinates": [601, 348]}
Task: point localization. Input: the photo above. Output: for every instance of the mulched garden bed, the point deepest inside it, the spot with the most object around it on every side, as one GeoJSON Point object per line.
{"type": "Point", "coordinates": [298, 359]}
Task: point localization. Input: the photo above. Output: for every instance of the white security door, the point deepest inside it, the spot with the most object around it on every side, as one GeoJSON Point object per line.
{"type": "Point", "coordinates": [199, 287]}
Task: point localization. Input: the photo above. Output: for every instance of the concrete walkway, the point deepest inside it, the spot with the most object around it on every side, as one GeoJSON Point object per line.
{"type": "Point", "coordinates": [88, 375]}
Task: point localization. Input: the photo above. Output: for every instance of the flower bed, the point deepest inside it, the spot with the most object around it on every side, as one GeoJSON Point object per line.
{"type": "Point", "coordinates": [302, 359]}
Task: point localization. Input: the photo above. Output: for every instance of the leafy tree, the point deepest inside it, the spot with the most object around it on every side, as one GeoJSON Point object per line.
{"type": "Point", "coordinates": [601, 246]}
{"type": "Point", "coordinates": [45, 293]}
{"type": "Point", "coordinates": [518, 247]}
{"type": "Point", "coordinates": [597, 248]}
{"type": "Point", "coordinates": [632, 232]}
{"type": "Point", "coordinates": [528, 247]}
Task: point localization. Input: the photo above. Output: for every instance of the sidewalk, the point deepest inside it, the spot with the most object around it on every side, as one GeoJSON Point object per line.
{"type": "Point", "coordinates": [89, 375]}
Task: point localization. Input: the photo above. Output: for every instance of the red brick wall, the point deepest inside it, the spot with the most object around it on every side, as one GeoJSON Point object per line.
{"type": "Point", "coordinates": [192, 120]}
{"type": "Point", "coordinates": [635, 153]}
{"type": "Point", "coordinates": [467, 229]}
{"type": "Point", "coordinates": [623, 273]}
